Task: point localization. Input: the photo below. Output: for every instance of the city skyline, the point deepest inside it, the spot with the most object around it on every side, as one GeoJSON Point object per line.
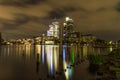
{"type": "Point", "coordinates": [26, 18]}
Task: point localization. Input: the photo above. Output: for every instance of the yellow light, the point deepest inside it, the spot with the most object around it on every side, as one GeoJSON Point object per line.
{"type": "Point", "coordinates": [38, 49]}
{"type": "Point", "coordinates": [66, 73]}
{"type": "Point", "coordinates": [111, 48]}
{"type": "Point", "coordinates": [67, 18]}
{"type": "Point", "coordinates": [110, 42]}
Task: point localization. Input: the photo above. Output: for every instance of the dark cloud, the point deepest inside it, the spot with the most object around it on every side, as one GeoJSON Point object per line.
{"type": "Point", "coordinates": [9, 26]}
{"type": "Point", "coordinates": [118, 7]}
{"type": "Point", "coordinates": [23, 26]}
{"type": "Point", "coordinates": [20, 20]}
{"type": "Point", "coordinates": [57, 13]}
{"type": "Point", "coordinates": [33, 16]}
{"type": "Point", "coordinates": [33, 1]}
{"type": "Point", "coordinates": [69, 9]}
{"type": "Point", "coordinates": [20, 3]}
{"type": "Point", "coordinates": [62, 11]}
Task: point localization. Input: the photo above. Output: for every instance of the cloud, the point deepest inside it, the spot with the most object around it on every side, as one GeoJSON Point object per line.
{"type": "Point", "coordinates": [20, 3]}
{"type": "Point", "coordinates": [117, 7]}
{"type": "Point", "coordinates": [30, 15]}
{"type": "Point", "coordinates": [57, 13]}
{"type": "Point", "coordinates": [23, 26]}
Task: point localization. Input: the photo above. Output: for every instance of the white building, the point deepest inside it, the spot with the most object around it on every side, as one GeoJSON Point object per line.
{"type": "Point", "coordinates": [53, 30]}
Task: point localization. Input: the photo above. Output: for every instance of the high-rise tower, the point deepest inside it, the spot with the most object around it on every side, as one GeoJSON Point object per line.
{"type": "Point", "coordinates": [53, 29]}
{"type": "Point", "coordinates": [68, 27]}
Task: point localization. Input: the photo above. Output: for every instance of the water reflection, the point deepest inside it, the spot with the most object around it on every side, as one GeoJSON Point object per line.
{"type": "Point", "coordinates": [38, 54]}
{"type": "Point", "coordinates": [49, 57]}
{"type": "Point", "coordinates": [64, 52]}
{"type": "Point", "coordinates": [44, 59]}
{"type": "Point", "coordinates": [52, 56]}
{"type": "Point", "coordinates": [56, 57]}
{"type": "Point", "coordinates": [43, 53]}
{"type": "Point", "coordinates": [37, 49]}
{"type": "Point", "coordinates": [27, 51]}
{"type": "Point", "coordinates": [37, 63]}
{"type": "Point", "coordinates": [67, 64]}
{"type": "Point", "coordinates": [111, 49]}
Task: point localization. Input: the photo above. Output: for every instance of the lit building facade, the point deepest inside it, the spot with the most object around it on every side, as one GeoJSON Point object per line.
{"type": "Point", "coordinates": [53, 30]}
{"type": "Point", "coordinates": [68, 27]}
{"type": "Point", "coordinates": [88, 38]}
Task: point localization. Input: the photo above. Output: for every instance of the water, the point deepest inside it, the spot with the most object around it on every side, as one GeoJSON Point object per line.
{"type": "Point", "coordinates": [45, 62]}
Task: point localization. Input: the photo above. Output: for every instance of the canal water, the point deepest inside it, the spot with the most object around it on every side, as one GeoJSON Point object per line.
{"type": "Point", "coordinates": [45, 62]}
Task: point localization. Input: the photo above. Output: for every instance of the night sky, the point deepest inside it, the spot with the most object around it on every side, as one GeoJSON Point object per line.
{"type": "Point", "coordinates": [27, 18]}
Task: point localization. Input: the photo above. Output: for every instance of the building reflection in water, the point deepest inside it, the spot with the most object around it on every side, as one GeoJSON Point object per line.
{"type": "Point", "coordinates": [8, 50]}
{"type": "Point", "coordinates": [49, 57]}
{"type": "Point", "coordinates": [85, 51]}
{"type": "Point", "coordinates": [98, 50]}
{"type": "Point", "coordinates": [37, 63]}
{"type": "Point", "coordinates": [43, 53]}
{"type": "Point", "coordinates": [64, 52]}
{"type": "Point", "coordinates": [5, 51]}
{"type": "Point", "coordinates": [52, 56]}
{"type": "Point", "coordinates": [49, 54]}
{"type": "Point", "coordinates": [38, 53]}
{"type": "Point", "coordinates": [111, 49]}
{"type": "Point", "coordinates": [37, 49]}
{"type": "Point", "coordinates": [27, 51]}
{"type": "Point", "coordinates": [66, 63]}
{"type": "Point", "coordinates": [56, 57]}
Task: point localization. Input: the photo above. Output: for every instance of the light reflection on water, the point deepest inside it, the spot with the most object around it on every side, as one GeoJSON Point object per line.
{"type": "Point", "coordinates": [52, 56]}
{"type": "Point", "coordinates": [43, 53]}
{"type": "Point", "coordinates": [24, 61]}
{"type": "Point", "coordinates": [68, 72]}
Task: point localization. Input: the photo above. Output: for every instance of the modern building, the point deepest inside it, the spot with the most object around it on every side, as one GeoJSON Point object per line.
{"type": "Point", "coordinates": [87, 38]}
{"type": "Point", "coordinates": [68, 27]}
{"type": "Point", "coordinates": [53, 30]}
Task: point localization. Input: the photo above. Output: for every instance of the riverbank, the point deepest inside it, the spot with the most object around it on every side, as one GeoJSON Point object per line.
{"type": "Point", "coordinates": [110, 69]}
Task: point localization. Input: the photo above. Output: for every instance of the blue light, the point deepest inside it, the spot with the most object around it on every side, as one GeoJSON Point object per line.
{"type": "Point", "coordinates": [64, 52]}
{"type": "Point", "coordinates": [51, 61]}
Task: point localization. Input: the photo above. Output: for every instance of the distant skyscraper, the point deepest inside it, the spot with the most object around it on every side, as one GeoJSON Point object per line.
{"type": "Point", "coordinates": [68, 27]}
{"type": "Point", "coordinates": [53, 29]}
